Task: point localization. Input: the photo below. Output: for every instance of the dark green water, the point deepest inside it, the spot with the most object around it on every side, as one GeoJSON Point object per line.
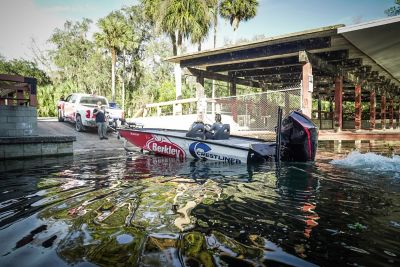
{"type": "Point", "coordinates": [112, 210]}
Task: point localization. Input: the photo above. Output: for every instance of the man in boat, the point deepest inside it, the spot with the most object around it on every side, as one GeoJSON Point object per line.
{"type": "Point", "coordinates": [217, 125]}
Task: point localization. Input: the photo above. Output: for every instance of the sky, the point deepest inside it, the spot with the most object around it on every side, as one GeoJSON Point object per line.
{"type": "Point", "coordinates": [24, 20]}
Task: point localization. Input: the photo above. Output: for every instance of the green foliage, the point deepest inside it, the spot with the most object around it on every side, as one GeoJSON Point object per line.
{"type": "Point", "coordinates": [190, 19]}
{"type": "Point", "coordinates": [394, 10]}
{"type": "Point", "coordinates": [25, 68]}
{"type": "Point", "coordinates": [72, 53]}
{"type": "Point", "coordinates": [238, 10]}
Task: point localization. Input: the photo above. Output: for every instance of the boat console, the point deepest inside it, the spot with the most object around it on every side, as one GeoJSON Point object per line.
{"type": "Point", "coordinates": [196, 130]}
{"type": "Point", "coordinates": [217, 131]}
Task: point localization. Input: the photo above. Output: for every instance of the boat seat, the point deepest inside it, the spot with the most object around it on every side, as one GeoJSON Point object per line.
{"type": "Point", "coordinates": [219, 132]}
{"type": "Point", "coordinates": [196, 130]}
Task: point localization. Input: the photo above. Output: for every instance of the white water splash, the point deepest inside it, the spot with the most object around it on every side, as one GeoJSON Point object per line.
{"type": "Point", "coordinates": [369, 162]}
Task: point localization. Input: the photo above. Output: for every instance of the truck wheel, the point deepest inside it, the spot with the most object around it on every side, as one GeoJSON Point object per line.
{"type": "Point", "coordinates": [78, 124]}
{"type": "Point", "coordinates": [60, 117]}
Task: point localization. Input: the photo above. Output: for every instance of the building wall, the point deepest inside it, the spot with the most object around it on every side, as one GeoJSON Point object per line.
{"type": "Point", "coordinates": [18, 121]}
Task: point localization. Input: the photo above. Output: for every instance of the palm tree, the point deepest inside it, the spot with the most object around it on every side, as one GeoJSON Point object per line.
{"type": "Point", "coordinates": [394, 10]}
{"type": "Point", "coordinates": [114, 30]}
{"type": "Point", "coordinates": [238, 10]}
{"type": "Point", "coordinates": [180, 20]}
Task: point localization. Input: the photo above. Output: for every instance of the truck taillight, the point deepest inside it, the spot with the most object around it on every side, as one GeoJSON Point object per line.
{"type": "Point", "coordinates": [88, 114]}
{"type": "Point", "coordinates": [123, 115]}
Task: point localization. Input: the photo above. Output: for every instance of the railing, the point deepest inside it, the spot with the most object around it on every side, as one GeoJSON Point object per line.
{"type": "Point", "coordinates": [174, 107]}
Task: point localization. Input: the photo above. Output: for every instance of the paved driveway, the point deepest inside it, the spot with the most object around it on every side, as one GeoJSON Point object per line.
{"type": "Point", "coordinates": [85, 141]}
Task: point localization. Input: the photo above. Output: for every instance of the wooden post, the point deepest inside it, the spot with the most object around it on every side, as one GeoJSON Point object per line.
{"type": "Point", "coordinates": [372, 109]}
{"type": "Point", "coordinates": [307, 89]}
{"type": "Point", "coordinates": [398, 113]}
{"type": "Point", "coordinates": [331, 115]}
{"type": "Point", "coordinates": [338, 103]}
{"type": "Point", "coordinates": [357, 107]}
{"type": "Point", "coordinates": [20, 97]}
{"type": "Point", "coordinates": [319, 111]}
{"type": "Point", "coordinates": [383, 110]}
{"type": "Point", "coordinates": [232, 87]}
{"type": "Point", "coordinates": [391, 113]}
{"type": "Point", "coordinates": [2, 102]}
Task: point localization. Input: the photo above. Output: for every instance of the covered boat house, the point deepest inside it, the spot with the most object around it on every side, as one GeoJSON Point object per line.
{"type": "Point", "coordinates": [337, 67]}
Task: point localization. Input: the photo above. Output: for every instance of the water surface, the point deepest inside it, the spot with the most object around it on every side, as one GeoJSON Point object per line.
{"type": "Point", "coordinates": [110, 209]}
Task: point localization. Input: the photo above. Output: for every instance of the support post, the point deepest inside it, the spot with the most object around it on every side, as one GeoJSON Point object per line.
{"type": "Point", "coordinates": [232, 92]}
{"type": "Point", "coordinates": [20, 97]}
{"type": "Point", "coordinates": [338, 103]}
{"type": "Point", "coordinates": [201, 103]}
{"type": "Point", "coordinates": [398, 113]}
{"type": "Point", "coordinates": [307, 82]}
{"type": "Point", "coordinates": [319, 111]}
{"type": "Point", "coordinates": [372, 109]}
{"type": "Point", "coordinates": [331, 115]}
{"type": "Point", "coordinates": [357, 107]}
{"type": "Point", "coordinates": [391, 113]}
{"type": "Point", "coordinates": [287, 103]}
{"type": "Point", "coordinates": [232, 87]}
{"type": "Point", "coordinates": [383, 110]}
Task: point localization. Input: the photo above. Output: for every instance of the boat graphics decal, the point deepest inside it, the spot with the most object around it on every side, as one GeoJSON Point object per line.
{"type": "Point", "coordinates": [204, 151]}
{"type": "Point", "coordinates": [162, 145]}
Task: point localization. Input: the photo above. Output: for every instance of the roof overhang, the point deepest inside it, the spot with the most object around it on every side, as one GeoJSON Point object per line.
{"type": "Point", "coordinates": [379, 40]}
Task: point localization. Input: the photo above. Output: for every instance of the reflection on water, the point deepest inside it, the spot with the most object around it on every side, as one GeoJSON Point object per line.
{"type": "Point", "coordinates": [114, 210]}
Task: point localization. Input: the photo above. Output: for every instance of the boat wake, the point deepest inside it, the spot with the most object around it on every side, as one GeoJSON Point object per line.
{"type": "Point", "coordinates": [370, 162]}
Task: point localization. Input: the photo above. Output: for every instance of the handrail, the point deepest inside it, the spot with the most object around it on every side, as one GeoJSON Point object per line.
{"type": "Point", "coordinates": [172, 102]}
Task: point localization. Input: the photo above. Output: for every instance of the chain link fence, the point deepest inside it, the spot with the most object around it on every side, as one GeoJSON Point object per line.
{"type": "Point", "coordinates": [255, 112]}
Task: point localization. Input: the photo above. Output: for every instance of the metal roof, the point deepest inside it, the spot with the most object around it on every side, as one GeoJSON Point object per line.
{"type": "Point", "coordinates": [368, 51]}
{"type": "Point", "coordinates": [380, 40]}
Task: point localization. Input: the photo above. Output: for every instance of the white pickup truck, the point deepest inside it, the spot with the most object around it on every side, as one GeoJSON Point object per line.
{"type": "Point", "coordinates": [78, 108]}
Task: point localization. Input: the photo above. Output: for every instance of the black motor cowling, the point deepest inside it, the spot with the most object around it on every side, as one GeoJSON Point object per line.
{"type": "Point", "coordinates": [299, 138]}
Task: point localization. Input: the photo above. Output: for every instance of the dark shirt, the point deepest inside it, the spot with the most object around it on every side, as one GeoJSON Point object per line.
{"type": "Point", "coordinates": [216, 126]}
{"type": "Point", "coordinates": [100, 117]}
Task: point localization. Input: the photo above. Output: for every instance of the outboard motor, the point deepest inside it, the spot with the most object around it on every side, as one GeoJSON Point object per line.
{"type": "Point", "coordinates": [299, 138]}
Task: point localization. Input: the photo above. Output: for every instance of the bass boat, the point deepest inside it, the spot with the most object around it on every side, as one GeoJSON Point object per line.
{"type": "Point", "coordinates": [296, 140]}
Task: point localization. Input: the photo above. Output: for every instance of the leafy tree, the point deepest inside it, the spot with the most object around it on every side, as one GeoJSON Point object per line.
{"type": "Point", "coordinates": [394, 10]}
{"type": "Point", "coordinates": [72, 52]}
{"type": "Point", "coordinates": [114, 30]}
{"type": "Point", "coordinates": [132, 51]}
{"type": "Point", "coordinates": [238, 10]}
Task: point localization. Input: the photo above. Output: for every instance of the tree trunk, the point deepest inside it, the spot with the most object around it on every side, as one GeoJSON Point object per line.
{"type": "Point", "coordinates": [173, 41]}
{"type": "Point", "coordinates": [235, 23]}
{"type": "Point", "coordinates": [123, 82]}
{"type": "Point", "coordinates": [177, 68]}
{"type": "Point", "coordinates": [113, 59]}
{"type": "Point", "coordinates": [215, 45]}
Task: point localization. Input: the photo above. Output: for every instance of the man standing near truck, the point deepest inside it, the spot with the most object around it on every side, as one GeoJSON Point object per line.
{"type": "Point", "coordinates": [100, 114]}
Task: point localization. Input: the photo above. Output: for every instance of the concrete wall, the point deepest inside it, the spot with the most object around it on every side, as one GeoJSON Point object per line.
{"type": "Point", "coordinates": [17, 121]}
{"type": "Point", "coordinates": [23, 147]}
